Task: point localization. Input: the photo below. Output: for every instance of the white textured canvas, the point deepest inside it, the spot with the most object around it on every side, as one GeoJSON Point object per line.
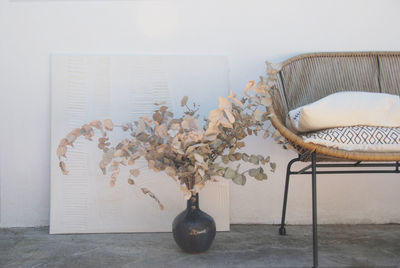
{"type": "Point", "coordinates": [123, 88]}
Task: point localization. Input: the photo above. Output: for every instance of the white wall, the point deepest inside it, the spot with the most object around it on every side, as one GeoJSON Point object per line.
{"type": "Point", "coordinates": [247, 31]}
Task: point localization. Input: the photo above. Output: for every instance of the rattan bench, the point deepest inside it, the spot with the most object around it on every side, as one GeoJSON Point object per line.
{"type": "Point", "coordinates": [306, 78]}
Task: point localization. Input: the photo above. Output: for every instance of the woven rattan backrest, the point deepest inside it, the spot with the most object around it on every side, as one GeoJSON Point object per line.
{"type": "Point", "coordinates": [310, 77]}
{"type": "Point", "coordinates": [390, 73]}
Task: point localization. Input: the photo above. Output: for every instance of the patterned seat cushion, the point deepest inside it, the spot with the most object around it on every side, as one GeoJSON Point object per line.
{"type": "Point", "coordinates": [358, 138]}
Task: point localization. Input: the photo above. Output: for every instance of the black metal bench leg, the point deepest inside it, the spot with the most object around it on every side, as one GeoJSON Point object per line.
{"type": "Point", "coordinates": [314, 210]}
{"type": "Point", "coordinates": [282, 229]}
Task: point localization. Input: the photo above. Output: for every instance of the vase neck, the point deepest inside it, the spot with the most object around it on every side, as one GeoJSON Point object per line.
{"type": "Point", "coordinates": [193, 202]}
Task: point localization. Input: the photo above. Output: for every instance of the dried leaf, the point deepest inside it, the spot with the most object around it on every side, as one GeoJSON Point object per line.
{"type": "Point", "coordinates": [63, 142]}
{"type": "Point", "coordinates": [63, 168]}
{"type": "Point", "coordinates": [216, 143]}
{"type": "Point", "coordinates": [131, 161]}
{"type": "Point", "coordinates": [163, 109]}
{"type": "Point", "coordinates": [107, 157]}
{"type": "Point", "coordinates": [249, 85]}
{"type": "Point", "coordinates": [212, 131]}
{"type": "Point", "coordinates": [266, 101]}
{"type": "Point", "coordinates": [266, 134]}
{"type": "Point", "coordinates": [239, 179]}
{"type": "Point", "coordinates": [237, 156]}
{"type": "Point", "coordinates": [198, 187]}
{"type": "Point", "coordinates": [190, 122]}
{"type": "Point", "coordinates": [233, 97]}
{"type": "Point", "coordinates": [149, 193]}
{"type": "Point", "coordinates": [161, 131]}
{"type": "Point", "coordinates": [273, 166]}
{"type": "Point", "coordinates": [254, 171]}
{"type": "Point", "coordinates": [114, 176]}
{"type": "Point", "coordinates": [77, 131]}
{"type": "Point", "coordinates": [201, 172]}
{"type": "Point", "coordinates": [134, 172]}
{"type": "Point", "coordinates": [170, 171]}
{"type": "Point", "coordinates": [260, 89]}
{"type": "Point", "coordinates": [61, 151]}
{"type": "Point", "coordinates": [254, 159]}
{"type": "Point", "coordinates": [108, 124]}
{"type": "Point", "coordinates": [158, 117]}
{"type": "Point", "coordinates": [188, 195]}
{"type": "Point", "coordinates": [142, 137]}
{"type": "Point", "coordinates": [97, 124]}
{"type": "Point", "coordinates": [259, 177]}
{"type": "Point", "coordinates": [87, 131]}
{"type": "Point", "coordinates": [161, 103]}
{"type": "Point", "coordinates": [225, 123]}
{"type": "Point", "coordinates": [118, 153]}
{"type": "Point", "coordinates": [223, 103]}
{"type": "Point", "coordinates": [102, 143]}
{"type": "Point", "coordinates": [229, 115]}
{"type": "Point", "coordinates": [257, 115]}
{"type": "Point", "coordinates": [198, 158]}
{"type": "Point", "coordinates": [113, 168]}
{"type": "Point", "coordinates": [229, 173]}
{"type": "Point", "coordinates": [131, 182]}
{"type": "Point", "coordinates": [151, 164]}
{"type": "Point", "coordinates": [216, 115]}
{"type": "Point", "coordinates": [184, 100]}
{"type": "Point", "coordinates": [70, 138]}
{"type": "Point", "coordinates": [174, 129]}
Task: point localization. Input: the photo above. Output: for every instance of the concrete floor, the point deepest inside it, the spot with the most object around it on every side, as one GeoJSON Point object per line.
{"type": "Point", "coordinates": [243, 246]}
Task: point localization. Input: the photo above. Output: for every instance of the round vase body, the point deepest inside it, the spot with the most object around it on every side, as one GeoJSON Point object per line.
{"type": "Point", "coordinates": [193, 229]}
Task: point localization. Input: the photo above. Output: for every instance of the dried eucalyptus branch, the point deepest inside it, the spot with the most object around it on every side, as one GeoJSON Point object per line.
{"type": "Point", "coordinates": [181, 147]}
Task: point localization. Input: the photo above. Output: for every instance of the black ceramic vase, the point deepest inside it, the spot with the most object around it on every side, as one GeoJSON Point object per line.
{"type": "Point", "coordinates": [193, 229]}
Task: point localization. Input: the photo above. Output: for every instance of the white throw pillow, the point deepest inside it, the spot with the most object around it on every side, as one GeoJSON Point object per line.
{"type": "Point", "coordinates": [348, 108]}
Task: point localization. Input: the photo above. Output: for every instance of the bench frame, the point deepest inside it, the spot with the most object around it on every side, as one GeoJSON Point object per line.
{"type": "Point", "coordinates": [306, 78]}
{"type": "Point", "coordinates": [313, 166]}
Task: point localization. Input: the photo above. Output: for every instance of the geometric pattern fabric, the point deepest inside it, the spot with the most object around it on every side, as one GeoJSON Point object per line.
{"type": "Point", "coordinates": [358, 138]}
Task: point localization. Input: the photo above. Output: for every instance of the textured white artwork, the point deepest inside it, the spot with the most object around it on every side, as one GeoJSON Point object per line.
{"type": "Point", "coordinates": [124, 88]}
